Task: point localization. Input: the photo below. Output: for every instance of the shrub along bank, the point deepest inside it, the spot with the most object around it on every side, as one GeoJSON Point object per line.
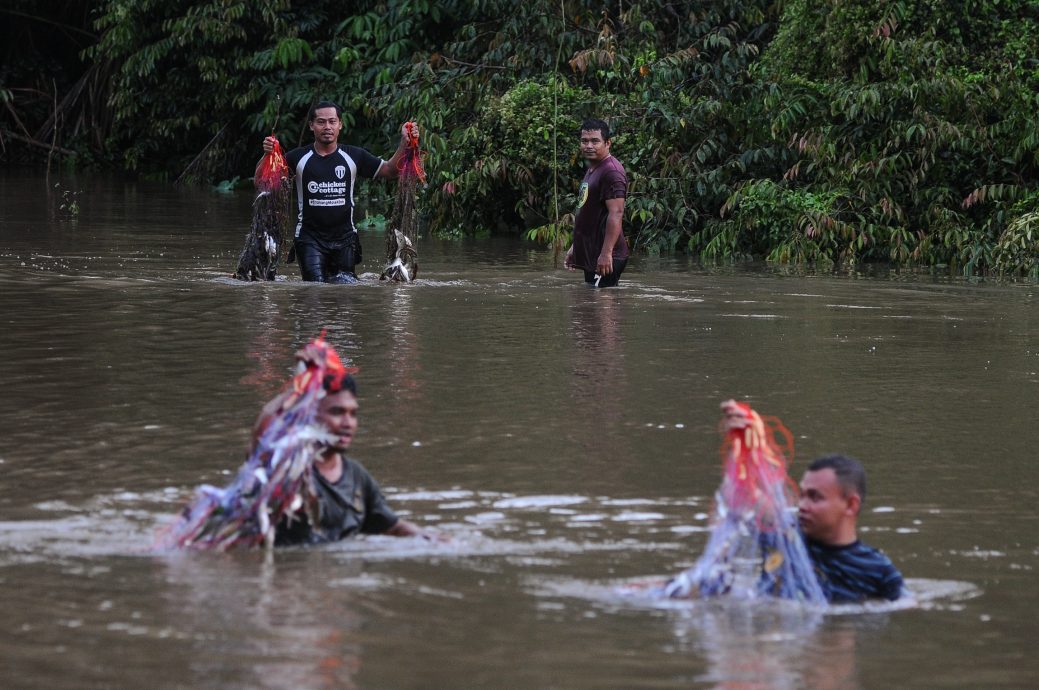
{"type": "Point", "coordinates": [800, 131]}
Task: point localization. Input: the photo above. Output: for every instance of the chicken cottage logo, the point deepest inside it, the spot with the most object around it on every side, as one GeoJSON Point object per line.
{"type": "Point", "coordinates": [326, 187]}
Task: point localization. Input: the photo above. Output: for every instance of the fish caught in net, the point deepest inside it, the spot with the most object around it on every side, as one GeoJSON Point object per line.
{"type": "Point", "coordinates": [259, 257]}
{"type": "Point", "coordinates": [276, 481]}
{"type": "Point", "coordinates": [755, 548]}
{"type": "Point", "coordinates": [401, 255]}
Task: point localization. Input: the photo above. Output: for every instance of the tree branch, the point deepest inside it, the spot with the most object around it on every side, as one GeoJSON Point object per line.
{"type": "Point", "coordinates": [33, 142]}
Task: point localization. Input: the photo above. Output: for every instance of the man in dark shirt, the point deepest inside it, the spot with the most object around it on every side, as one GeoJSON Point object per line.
{"type": "Point", "coordinates": [349, 499]}
{"type": "Point", "coordinates": [599, 247]}
{"type": "Point", "coordinates": [832, 492]}
{"type": "Point", "coordinates": [325, 175]}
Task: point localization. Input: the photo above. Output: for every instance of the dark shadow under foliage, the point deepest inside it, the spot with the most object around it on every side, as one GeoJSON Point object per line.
{"type": "Point", "coordinates": [823, 132]}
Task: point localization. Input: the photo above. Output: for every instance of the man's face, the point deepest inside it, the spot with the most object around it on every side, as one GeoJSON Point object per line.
{"type": "Point", "coordinates": [326, 126]}
{"type": "Point", "coordinates": [593, 147]}
{"type": "Point", "coordinates": [338, 412]}
{"type": "Point", "coordinates": [823, 507]}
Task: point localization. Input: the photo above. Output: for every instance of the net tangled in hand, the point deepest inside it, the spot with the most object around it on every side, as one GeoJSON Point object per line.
{"type": "Point", "coordinates": [755, 547]}
{"type": "Point", "coordinates": [259, 257]}
{"type": "Point", "coordinates": [277, 479]}
{"type": "Point", "coordinates": [401, 255]}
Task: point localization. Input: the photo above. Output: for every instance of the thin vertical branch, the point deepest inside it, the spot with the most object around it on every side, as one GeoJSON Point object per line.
{"type": "Point", "coordinates": [54, 134]}
{"type": "Point", "coordinates": [555, 135]}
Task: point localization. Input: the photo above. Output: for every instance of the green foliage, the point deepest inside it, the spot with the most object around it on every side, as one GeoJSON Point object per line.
{"type": "Point", "coordinates": [509, 155]}
{"type": "Point", "coordinates": [690, 145]}
{"type": "Point", "coordinates": [1016, 249]}
{"type": "Point", "coordinates": [826, 131]}
{"type": "Point", "coordinates": [68, 202]}
{"type": "Point", "coordinates": [787, 225]}
{"type": "Point", "coordinates": [203, 76]}
{"type": "Point", "coordinates": [557, 235]}
{"type": "Point", "coordinates": [227, 186]}
{"type": "Point", "coordinates": [920, 112]}
{"type": "Point", "coordinates": [375, 222]}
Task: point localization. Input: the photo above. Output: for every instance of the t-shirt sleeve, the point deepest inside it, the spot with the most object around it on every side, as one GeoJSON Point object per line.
{"type": "Point", "coordinates": [891, 586]}
{"type": "Point", "coordinates": [614, 185]}
{"type": "Point", "coordinates": [367, 163]}
{"type": "Point", "coordinates": [293, 157]}
{"type": "Point", "coordinates": [378, 517]}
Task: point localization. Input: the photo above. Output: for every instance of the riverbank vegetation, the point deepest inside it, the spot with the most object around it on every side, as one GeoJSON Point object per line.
{"type": "Point", "coordinates": [798, 131]}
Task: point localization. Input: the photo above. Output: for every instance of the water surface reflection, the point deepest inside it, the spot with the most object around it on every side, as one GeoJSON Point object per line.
{"type": "Point", "coordinates": [559, 434]}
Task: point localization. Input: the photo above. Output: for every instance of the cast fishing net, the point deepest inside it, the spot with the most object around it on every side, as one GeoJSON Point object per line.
{"type": "Point", "coordinates": [401, 255]}
{"type": "Point", "coordinates": [755, 548]}
{"type": "Point", "coordinates": [259, 257]}
{"type": "Point", "coordinates": [276, 480]}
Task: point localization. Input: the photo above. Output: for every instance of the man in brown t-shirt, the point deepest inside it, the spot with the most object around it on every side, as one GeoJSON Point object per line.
{"type": "Point", "coordinates": [599, 247]}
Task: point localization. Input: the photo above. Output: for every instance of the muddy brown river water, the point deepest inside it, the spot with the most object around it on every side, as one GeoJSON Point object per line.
{"type": "Point", "coordinates": [564, 438]}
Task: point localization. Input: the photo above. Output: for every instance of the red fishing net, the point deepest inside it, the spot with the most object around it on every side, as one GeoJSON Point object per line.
{"type": "Point", "coordinates": [401, 255]}
{"type": "Point", "coordinates": [276, 480]}
{"type": "Point", "coordinates": [259, 257]}
{"type": "Point", "coordinates": [272, 170]}
{"type": "Point", "coordinates": [755, 547]}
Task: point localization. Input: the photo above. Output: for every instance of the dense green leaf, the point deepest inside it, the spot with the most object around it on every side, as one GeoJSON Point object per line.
{"type": "Point", "coordinates": [831, 132]}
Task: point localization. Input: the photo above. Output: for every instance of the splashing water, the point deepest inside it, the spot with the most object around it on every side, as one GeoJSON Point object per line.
{"type": "Point", "coordinates": [276, 481]}
{"type": "Point", "coordinates": [755, 548]}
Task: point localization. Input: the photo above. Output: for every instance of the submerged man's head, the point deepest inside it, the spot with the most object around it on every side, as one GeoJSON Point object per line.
{"type": "Point", "coordinates": [337, 409]}
{"type": "Point", "coordinates": [338, 412]}
{"type": "Point", "coordinates": [832, 491]}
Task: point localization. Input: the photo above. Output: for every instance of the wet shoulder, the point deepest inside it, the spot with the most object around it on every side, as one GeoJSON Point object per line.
{"type": "Point", "coordinates": [867, 553]}
{"type": "Point", "coordinates": [355, 472]}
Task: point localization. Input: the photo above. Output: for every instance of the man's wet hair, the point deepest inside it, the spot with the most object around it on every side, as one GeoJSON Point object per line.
{"type": "Point", "coordinates": [593, 125]}
{"type": "Point", "coordinates": [851, 476]}
{"type": "Point", "coordinates": [324, 104]}
{"type": "Point", "coordinates": [335, 384]}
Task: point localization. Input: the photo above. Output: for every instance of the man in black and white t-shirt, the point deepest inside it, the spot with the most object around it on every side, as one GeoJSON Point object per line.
{"type": "Point", "coordinates": [324, 177]}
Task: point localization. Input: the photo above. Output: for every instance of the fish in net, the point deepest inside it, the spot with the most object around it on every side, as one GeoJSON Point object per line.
{"type": "Point", "coordinates": [401, 255]}
{"type": "Point", "coordinates": [259, 257]}
{"type": "Point", "coordinates": [755, 547]}
{"type": "Point", "coordinates": [276, 482]}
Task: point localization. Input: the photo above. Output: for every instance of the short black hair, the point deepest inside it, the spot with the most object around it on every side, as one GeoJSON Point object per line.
{"type": "Point", "coordinates": [850, 474]}
{"type": "Point", "coordinates": [592, 125]}
{"type": "Point", "coordinates": [324, 104]}
{"type": "Point", "coordinates": [335, 383]}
